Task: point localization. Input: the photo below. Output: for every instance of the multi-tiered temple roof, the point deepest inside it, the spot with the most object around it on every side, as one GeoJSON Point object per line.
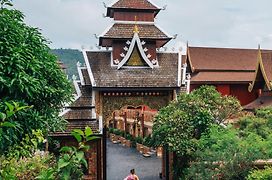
{"type": "Point", "coordinates": [134, 60]}
{"type": "Point", "coordinates": [132, 5]}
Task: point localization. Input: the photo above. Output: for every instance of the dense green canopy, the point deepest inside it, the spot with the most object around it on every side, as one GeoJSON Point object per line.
{"type": "Point", "coordinates": [30, 75]}
{"type": "Point", "coordinates": [182, 122]}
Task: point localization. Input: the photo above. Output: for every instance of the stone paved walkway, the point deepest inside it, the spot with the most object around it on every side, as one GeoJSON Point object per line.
{"type": "Point", "coordinates": [120, 160]}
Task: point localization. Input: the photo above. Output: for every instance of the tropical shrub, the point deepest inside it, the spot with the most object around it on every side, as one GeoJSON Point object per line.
{"type": "Point", "coordinates": [265, 174]}
{"type": "Point", "coordinates": [72, 163]}
{"type": "Point", "coordinates": [25, 168]}
{"type": "Point", "coordinates": [128, 136]}
{"type": "Point", "coordinates": [139, 140]}
{"type": "Point", "coordinates": [117, 132]}
{"type": "Point", "coordinates": [180, 125]}
{"type": "Point", "coordinates": [229, 153]}
{"type": "Point", "coordinates": [111, 130]}
{"type": "Point", "coordinates": [222, 153]}
{"type": "Point", "coordinates": [29, 75]}
{"type": "Point", "coordinates": [147, 141]}
{"type": "Point", "coordinates": [182, 122]}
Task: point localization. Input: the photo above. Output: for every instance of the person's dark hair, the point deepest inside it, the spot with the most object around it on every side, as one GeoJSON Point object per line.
{"type": "Point", "coordinates": [132, 171]}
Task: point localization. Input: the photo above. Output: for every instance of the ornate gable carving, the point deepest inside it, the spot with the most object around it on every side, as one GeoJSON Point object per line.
{"type": "Point", "coordinates": [136, 55]}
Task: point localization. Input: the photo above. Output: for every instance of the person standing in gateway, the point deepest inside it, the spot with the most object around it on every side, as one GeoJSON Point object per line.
{"type": "Point", "coordinates": [132, 175]}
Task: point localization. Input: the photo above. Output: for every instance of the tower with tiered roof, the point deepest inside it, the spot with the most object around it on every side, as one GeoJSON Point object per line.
{"type": "Point", "coordinates": [129, 74]}
{"type": "Point", "coordinates": [133, 36]}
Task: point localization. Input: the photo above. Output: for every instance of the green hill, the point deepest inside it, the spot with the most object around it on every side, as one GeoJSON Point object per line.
{"type": "Point", "coordinates": [69, 57]}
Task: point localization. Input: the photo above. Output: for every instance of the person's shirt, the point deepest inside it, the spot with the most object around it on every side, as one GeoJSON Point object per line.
{"type": "Point", "coordinates": [130, 177]}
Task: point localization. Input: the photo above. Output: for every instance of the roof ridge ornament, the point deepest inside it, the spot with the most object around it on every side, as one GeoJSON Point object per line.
{"type": "Point", "coordinates": [260, 67]}
{"type": "Point", "coordinates": [136, 29]}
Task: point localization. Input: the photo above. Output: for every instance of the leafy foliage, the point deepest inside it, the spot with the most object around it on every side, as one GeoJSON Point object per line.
{"type": "Point", "coordinates": [72, 160]}
{"type": "Point", "coordinates": [222, 153]}
{"type": "Point", "coordinates": [182, 122]}
{"type": "Point", "coordinates": [9, 109]}
{"type": "Point", "coordinates": [229, 153]}
{"type": "Point", "coordinates": [28, 146]}
{"type": "Point", "coordinates": [147, 141]}
{"type": "Point", "coordinates": [25, 168]}
{"type": "Point", "coordinates": [265, 174]}
{"type": "Point", "coordinates": [70, 163]}
{"type": "Point", "coordinates": [29, 75]}
{"type": "Point", "coordinates": [260, 124]}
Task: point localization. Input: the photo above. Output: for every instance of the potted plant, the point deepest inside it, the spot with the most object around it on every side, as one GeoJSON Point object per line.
{"type": "Point", "coordinates": [146, 144]}
{"type": "Point", "coordinates": [139, 145]}
{"type": "Point", "coordinates": [128, 140]}
{"type": "Point", "coordinates": [133, 142]}
{"type": "Point", "coordinates": [122, 138]}
{"type": "Point", "coordinates": [111, 132]}
{"type": "Point", "coordinates": [117, 133]}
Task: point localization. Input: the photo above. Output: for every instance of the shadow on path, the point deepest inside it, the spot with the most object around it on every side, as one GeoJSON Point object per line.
{"type": "Point", "coordinates": [121, 159]}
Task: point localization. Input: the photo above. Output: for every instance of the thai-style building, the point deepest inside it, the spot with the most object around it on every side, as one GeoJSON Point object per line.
{"type": "Point", "coordinates": [261, 81]}
{"type": "Point", "coordinates": [132, 72]}
{"type": "Point", "coordinates": [229, 70]}
{"type": "Point", "coordinates": [125, 84]}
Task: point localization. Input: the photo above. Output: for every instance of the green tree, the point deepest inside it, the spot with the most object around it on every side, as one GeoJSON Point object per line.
{"type": "Point", "coordinates": [223, 154]}
{"type": "Point", "coordinates": [185, 119]}
{"type": "Point", "coordinates": [30, 75]}
{"type": "Point", "coordinates": [179, 125]}
{"type": "Point", "coordinates": [229, 153]}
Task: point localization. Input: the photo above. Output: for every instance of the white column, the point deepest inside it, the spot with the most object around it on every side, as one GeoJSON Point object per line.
{"type": "Point", "coordinates": [100, 124]}
{"type": "Point", "coordinates": [184, 68]}
{"type": "Point", "coordinates": [93, 104]}
{"type": "Point", "coordinates": [179, 68]}
{"type": "Point", "coordinates": [188, 82]}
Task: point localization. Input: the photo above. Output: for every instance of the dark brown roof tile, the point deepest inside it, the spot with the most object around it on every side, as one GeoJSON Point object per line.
{"type": "Point", "coordinates": [166, 75]}
{"type": "Point", "coordinates": [125, 31]}
{"type": "Point", "coordinates": [134, 4]}
{"type": "Point", "coordinates": [86, 76]}
{"type": "Point", "coordinates": [220, 77]}
{"type": "Point", "coordinates": [267, 63]}
{"type": "Point", "coordinates": [82, 102]}
{"type": "Point", "coordinates": [205, 58]}
{"type": "Point", "coordinates": [77, 125]}
{"type": "Point", "coordinates": [78, 114]}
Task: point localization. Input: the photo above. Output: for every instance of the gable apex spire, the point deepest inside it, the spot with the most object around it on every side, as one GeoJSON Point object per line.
{"type": "Point", "coordinates": [136, 30]}
{"type": "Point", "coordinates": [135, 43]}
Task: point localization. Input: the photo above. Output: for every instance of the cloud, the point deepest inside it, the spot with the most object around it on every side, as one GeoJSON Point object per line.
{"type": "Point", "coordinates": [224, 23]}
{"type": "Point", "coordinates": [67, 23]}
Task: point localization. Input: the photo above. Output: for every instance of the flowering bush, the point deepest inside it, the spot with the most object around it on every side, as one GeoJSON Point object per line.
{"type": "Point", "coordinates": [25, 168]}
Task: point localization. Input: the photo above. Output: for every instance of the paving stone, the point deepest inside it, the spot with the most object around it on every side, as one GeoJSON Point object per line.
{"type": "Point", "coordinates": [121, 159]}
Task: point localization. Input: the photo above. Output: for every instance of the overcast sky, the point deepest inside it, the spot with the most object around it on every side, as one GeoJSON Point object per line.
{"type": "Point", "coordinates": [216, 23]}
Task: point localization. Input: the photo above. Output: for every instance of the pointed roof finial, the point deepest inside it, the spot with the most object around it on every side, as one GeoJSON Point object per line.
{"type": "Point", "coordinates": [259, 52]}
{"type": "Point", "coordinates": [136, 30]}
